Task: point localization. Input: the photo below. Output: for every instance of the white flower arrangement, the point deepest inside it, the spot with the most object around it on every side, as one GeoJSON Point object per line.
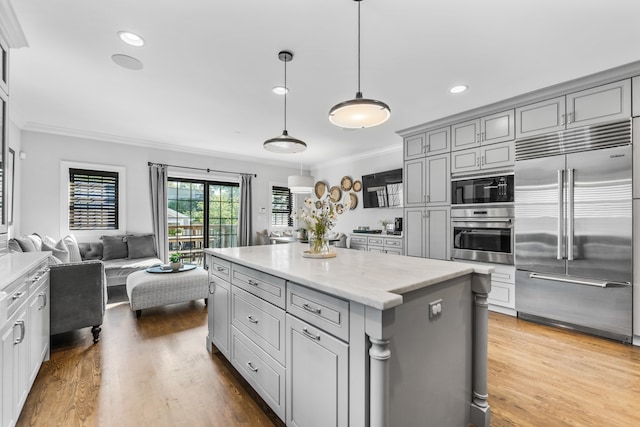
{"type": "Point", "coordinates": [319, 215]}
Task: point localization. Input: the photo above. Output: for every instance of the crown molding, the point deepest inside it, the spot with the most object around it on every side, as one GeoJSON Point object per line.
{"type": "Point", "coordinates": [117, 139]}
{"type": "Point", "coordinates": [10, 28]}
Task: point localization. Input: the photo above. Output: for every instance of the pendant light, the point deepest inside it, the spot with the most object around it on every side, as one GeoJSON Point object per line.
{"type": "Point", "coordinates": [359, 112]}
{"type": "Point", "coordinates": [285, 143]}
{"type": "Point", "coordinates": [300, 184]}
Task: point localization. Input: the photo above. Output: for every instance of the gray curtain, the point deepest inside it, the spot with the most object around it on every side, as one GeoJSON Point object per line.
{"type": "Point", "coordinates": [158, 188]}
{"type": "Point", "coordinates": [244, 221]}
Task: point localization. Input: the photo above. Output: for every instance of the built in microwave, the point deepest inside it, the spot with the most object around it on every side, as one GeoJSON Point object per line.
{"type": "Point", "coordinates": [480, 189]}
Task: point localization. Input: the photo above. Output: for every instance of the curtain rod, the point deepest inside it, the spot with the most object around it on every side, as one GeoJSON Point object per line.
{"type": "Point", "coordinates": [200, 169]}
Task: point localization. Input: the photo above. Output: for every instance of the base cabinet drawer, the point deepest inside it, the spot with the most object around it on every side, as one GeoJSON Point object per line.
{"type": "Point", "coordinates": [321, 310]}
{"type": "Point", "coordinates": [317, 377]}
{"type": "Point", "coordinates": [502, 294]}
{"type": "Point", "coordinates": [262, 285]}
{"type": "Point", "coordinates": [260, 321]}
{"type": "Point", "coordinates": [264, 374]}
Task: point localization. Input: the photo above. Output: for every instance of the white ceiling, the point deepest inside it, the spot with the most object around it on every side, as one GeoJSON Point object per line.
{"type": "Point", "coordinates": [209, 65]}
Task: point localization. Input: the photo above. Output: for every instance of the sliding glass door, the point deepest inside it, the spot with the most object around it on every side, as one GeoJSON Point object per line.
{"type": "Point", "coordinates": [199, 209]}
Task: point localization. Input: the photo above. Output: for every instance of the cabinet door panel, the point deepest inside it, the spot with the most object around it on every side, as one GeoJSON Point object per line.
{"type": "Point", "coordinates": [541, 117]}
{"type": "Point", "coordinates": [498, 155]}
{"type": "Point", "coordinates": [414, 231]}
{"type": "Point", "coordinates": [219, 326]}
{"type": "Point", "coordinates": [438, 234]}
{"type": "Point", "coordinates": [438, 141]}
{"type": "Point", "coordinates": [438, 179]}
{"type": "Point", "coordinates": [414, 146]}
{"type": "Point", "coordinates": [465, 135]}
{"type": "Point", "coordinates": [497, 127]}
{"type": "Point", "coordinates": [317, 377]}
{"type": "Point", "coordinates": [465, 161]}
{"type": "Point", "coordinates": [636, 97]}
{"type": "Point", "coordinates": [600, 104]}
{"type": "Point", "coordinates": [414, 182]}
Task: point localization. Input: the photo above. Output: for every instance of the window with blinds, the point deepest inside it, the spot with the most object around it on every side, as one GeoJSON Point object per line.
{"type": "Point", "coordinates": [93, 200]}
{"type": "Point", "coordinates": [281, 206]}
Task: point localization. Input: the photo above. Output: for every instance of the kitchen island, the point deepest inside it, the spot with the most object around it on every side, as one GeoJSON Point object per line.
{"type": "Point", "coordinates": [362, 339]}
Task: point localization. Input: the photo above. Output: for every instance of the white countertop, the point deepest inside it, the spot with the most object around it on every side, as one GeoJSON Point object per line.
{"type": "Point", "coordinates": [14, 264]}
{"type": "Point", "coordinates": [373, 279]}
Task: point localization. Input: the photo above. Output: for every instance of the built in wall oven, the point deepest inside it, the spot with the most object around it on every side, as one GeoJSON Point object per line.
{"type": "Point", "coordinates": [483, 233]}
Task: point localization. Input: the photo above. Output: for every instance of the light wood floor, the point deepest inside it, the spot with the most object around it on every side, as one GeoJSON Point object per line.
{"type": "Point", "coordinates": [156, 371]}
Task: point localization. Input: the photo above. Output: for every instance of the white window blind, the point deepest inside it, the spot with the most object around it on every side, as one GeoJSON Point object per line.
{"type": "Point", "coordinates": [281, 205]}
{"type": "Point", "coordinates": [93, 200]}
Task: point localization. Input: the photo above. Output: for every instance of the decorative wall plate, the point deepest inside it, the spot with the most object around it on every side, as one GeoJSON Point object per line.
{"type": "Point", "coordinates": [345, 183]}
{"type": "Point", "coordinates": [335, 194]}
{"type": "Point", "coordinates": [320, 188]}
{"type": "Point", "coordinates": [339, 208]}
{"type": "Point", "coordinates": [354, 200]}
{"type": "Point", "coordinates": [357, 186]}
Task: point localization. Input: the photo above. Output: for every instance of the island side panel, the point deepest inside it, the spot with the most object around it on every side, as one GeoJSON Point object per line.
{"type": "Point", "coordinates": [430, 364]}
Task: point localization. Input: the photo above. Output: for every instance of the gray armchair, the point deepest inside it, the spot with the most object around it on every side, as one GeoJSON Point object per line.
{"type": "Point", "coordinates": [78, 297]}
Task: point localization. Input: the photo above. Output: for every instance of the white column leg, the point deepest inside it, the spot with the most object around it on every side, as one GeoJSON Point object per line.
{"type": "Point", "coordinates": [480, 411]}
{"type": "Point", "coordinates": [379, 382]}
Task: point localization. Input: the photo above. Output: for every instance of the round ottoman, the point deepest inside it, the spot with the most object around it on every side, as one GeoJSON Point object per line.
{"type": "Point", "coordinates": [146, 290]}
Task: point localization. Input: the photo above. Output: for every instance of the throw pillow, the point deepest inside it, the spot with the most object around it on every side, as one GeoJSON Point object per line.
{"type": "Point", "coordinates": [141, 246]}
{"type": "Point", "coordinates": [89, 251]}
{"type": "Point", "coordinates": [26, 244]}
{"type": "Point", "coordinates": [114, 247]}
{"type": "Point", "coordinates": [59, 251]}
{"type": "Point", "coordinates": [49, 240]}
{"type": "Point", "coordinates": [262, 237]}
{"type": "Point", "coordinates": [14, 246]}
{"type": "Point", "coordinates": [72, 246]}
{"type": "Point", "coordinates": [37, 241]}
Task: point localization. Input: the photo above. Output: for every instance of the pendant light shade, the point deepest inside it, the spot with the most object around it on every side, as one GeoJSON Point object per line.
{"type": "Point", "coordinates": [284, 143]}
{"type": "Point", "coordinates": [300, 184]}
{"type": "Point", "coordinates": [359, 112]}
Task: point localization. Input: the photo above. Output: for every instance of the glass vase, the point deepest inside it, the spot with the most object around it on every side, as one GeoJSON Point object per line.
{"type": "Point", "coordinates": [318, 245]}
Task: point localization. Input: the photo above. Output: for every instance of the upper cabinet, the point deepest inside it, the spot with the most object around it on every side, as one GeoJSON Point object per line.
{"type": "Point", "coordinates": [636, 96]}
{"type": "Point", "coordinates": [436, 141]}
{"type": "Point", "coordinates": [596, 105]}
{"type": "Point", "coordinates": [4, 101]}
{"type": "Point", "coordinates": [498, 127]}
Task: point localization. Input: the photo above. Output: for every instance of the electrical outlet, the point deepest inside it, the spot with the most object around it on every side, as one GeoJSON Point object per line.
{"type": "Point", "coordinates": [435, 309]}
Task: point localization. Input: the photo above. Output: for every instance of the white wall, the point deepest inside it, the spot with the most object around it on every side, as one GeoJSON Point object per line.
{"type": "Point", "coordinates": [388, 159]}
{"type": "Point", "coordinates": [39, 189]}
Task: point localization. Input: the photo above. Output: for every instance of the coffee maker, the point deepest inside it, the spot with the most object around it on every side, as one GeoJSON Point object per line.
{"type": "Point", "coordinates": [397, 225]}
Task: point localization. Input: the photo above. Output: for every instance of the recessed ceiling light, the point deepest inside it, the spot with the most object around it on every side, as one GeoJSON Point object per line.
{"type": "Point", "coordinates": [458, 89]}
{"type": "Point", "coordinates": [128, 62]}
{"type": "Point", "coordinates": [280, 90]}
{"type": "Point", "coordinates": [131, 38]}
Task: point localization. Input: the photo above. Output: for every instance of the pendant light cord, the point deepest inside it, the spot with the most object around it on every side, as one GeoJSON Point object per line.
{"type": "Point", "coordinates": [286, 89]}
{"type": "Point", "coordinates": [359, 1]}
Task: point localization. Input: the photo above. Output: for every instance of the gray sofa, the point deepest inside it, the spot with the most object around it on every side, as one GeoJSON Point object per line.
{"type": "Point", "coordinates": [78, 297]}
{"type": "Point", "coordinates": [81, 272]}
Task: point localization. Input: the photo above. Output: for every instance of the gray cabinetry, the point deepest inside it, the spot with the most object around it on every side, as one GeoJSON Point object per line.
{"type": "Point", "coordinates": [432, 142]}
{"type": "Point", "coordinates": [427, 232]}
{"type": "Point", "coordinates": [489, 129]}
{"type": "Point", "coordinates": [635, 109]}
{"type": "Point", "coordinates": [427, 181]}
{"type": "Point", "coordinates": [219, 301]}
{"type": "Point", "coordinates": [494, 156]}
{"type": "Point", "coordinates": [378, 243]}
{"type": "Point", "coordinates": [599, 104]}
{"type": "Point", "coordinates": [24, 329]}
{"type": "Point", "coordinates": [317, 377]}
{"type": "Point", "coordinates": [358, 242]}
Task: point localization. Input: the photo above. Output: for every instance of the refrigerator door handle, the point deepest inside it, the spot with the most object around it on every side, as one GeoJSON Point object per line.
{"type": "Point", "coordinates": [570, 212]}
{"type": "Point", "coordinates": [597, 283]}
{"type": "Point", "coordinates": [560, 231]}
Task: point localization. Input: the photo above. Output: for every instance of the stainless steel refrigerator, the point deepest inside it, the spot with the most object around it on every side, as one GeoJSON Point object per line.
{"type": "Point", "coordinates": [573, 229]}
